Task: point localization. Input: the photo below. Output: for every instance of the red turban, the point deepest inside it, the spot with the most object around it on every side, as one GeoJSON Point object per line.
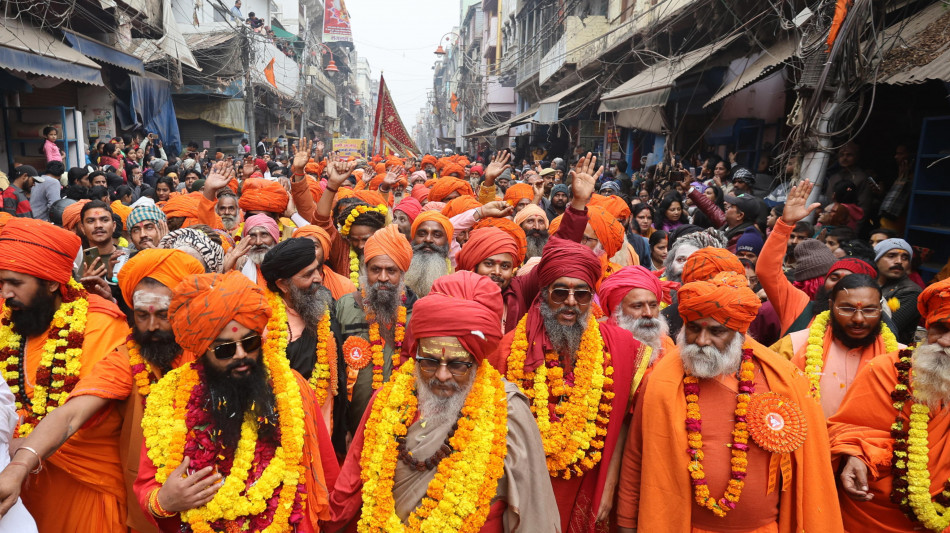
{"type": "Point", "coordinates": [484, 243]}
{"type": "Point", "coordinates": [203, 304]}
{"type": "Point", "coordinates": [410, 206]}
{"type": "Point", "coordinates": [473, 302]}
{"type": "Point", "coordinates": [261, 165]}
{"type": "Point", "coordinates": [426, 216]}
{"type": "Point", "coordinates": [727, 299]}
{"type": "Point", "coordinates": [511, 229]}
{"type": "Point", "coordinates": [705, 263]}
{"type": "Point", "coordinates": [609, 231]}
{"type": "Point", "coordinates": [71, 214]}
{"type": "Point", "coordinates": [529, 211]}
{"type": "Point", "coordinates": [389, 242]}
{"type": "Point", "coordinates": [562, 257]}
{"type": "Point", "coordinates": [460, 205]}
{"type": "Point", "coordinates": [429, 160]}
{"type": "Point", "coordinates": [167, 267]}
{"type": "Point", "coordinates": [854, 266]}
{"type": "Point", "coordinates": [477, 169]}
{"type": "Point", "coordinates": [616, 287]}
{"type": "Point", "coordinates": [518, 192]}
{"type": "Point", "coordinates": [420, 193]}
{"type": "Point", "coordinates": [39, 249]}
{"type": "Point", "coordinates": [259, 194]}
{"type": "Point", "coordinates": [450, 169]}
{"type": "Point", "coordinates": [933, 303]}
{"type": "Point", "coordinates": [447, 185]}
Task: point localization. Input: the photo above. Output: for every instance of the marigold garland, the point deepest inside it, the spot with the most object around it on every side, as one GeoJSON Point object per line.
{"type": "Point", "coordinates": [142, 373]}
{"type": "Point", "coordinates": [58, 370]}
{"type": "Point", "coordinates": [345, 232]}
{"type": "Point", "coordinates": [572, 411]}
{"type": "Point", "coordinates": [911, 457]}
{"type": "Point", "coordinates": [354, 268]}
{"type": "Point", "coordinates": [459, 496]}
{"type": "Point", "coordinates": [815, 351]}
{"type": "Point", "coordinates": [740, 440]}
{"type": "Point", "coordinates": [278, 329]}
{"type": "Point", "coordinates": [377, 344]}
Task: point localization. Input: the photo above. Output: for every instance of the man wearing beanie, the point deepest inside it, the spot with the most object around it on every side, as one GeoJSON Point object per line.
{"type": "Point", "coordinates": [892, 258]}
{"type": "Point", "coordinates": [749, 245]}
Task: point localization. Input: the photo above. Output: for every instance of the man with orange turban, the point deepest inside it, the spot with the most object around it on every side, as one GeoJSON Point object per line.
{"type": "Point", "coordinates": [432, 240]}
{"type": "Point", "coordinates": [631, 299]}
{"type": "Point", "coordinates": [338, 284]}
{"type": "Point", "coordinates": [448, 188]}
{"type": "Point", "coordinates": [71, 215]}
{"type": "Point", "coordinates": [429, 163]}
{"type": "Point", "coordinates": [605, 237]}
{"type": "Point", "coordinates": [120, 381]}
{"type": "Point", "coordinates": [494, 472]}
{"type": "Point", "coordinates": [535, 225]}
{"type": "Point", "coordinates": [876, 453]}
{"type": "Point", "coordinates": [222, 319]}
{"type": "Point", "coordinates": [259, 195]}
{"type": "Point", "coordinates": [676, 464]}
{"type": "Point", "coordinates": [519, 196]}
{"type": "Point", "coordinates": [51, 322]}
{"type": "Point", "coordinates": [185, 211]}
{"type": "Point", "coordinates": [450, 170]}
{"type": "Point", "coordinates": [373, 321]}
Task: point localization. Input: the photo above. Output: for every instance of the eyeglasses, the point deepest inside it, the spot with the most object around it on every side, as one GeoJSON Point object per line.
{"type": "Point", "coordinates": [581, 296]}
{"type": "Point", "coordinates": [587, 241]}
{"type": "Point", "coordinates": [868, 312]}
{"type": "Point", "coordinates": [429, 365]}
{"type": "Point", "coordinates": [228, 349]}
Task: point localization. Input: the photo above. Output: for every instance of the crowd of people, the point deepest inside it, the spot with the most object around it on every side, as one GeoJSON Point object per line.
{"type": "Point", "coordinates": [308, 342]}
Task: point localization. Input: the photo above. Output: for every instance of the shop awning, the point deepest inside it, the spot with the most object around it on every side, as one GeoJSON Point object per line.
{"type": "Point", "coordinates": [917, 48]}
{"type": "Point", "coordinates": [549, 108]}
{"type": "Point", "coordinates": [769, 61]}
{"type": "Point", "coordinates": [27, 49]}
{"type": "Point", "coordinates": [103, 52]}
{"type": "Point", "coordinates": [222, 112]}
{"type": "Point", "coordinates": [502, 129]}
{"type": "Point", "coordinates": [281, 33]}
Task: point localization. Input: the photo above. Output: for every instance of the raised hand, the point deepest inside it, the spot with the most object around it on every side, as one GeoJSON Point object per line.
{"type": "Point", "coordinates": [338, 170]}
{"type": "Point", "coordinates": [218, 178]}
{"type": "Point", "coordinates": [301, 157]}
{"type": "Point", "coordinates": [584, 180]}
{"type": "Point", "coordinates": [392, 177]}
{"type": "Point", "coordinates": [497, 165]}
{"type": "Point", "coordinates": [497, 209]}
{"type": "Point", "coordinates": [320, 146]}
{"type": "Point", "coordinates": [796, 203]}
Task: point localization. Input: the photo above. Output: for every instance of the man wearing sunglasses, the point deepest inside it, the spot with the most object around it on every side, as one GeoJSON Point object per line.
{"type": "Point", "coordinates": [444, 399]}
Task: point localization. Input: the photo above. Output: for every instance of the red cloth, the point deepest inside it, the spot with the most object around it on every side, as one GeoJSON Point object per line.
{"type": "Point", "coordinates": [705, 263]}
{"type": "Point", "coordinates": [934, 302]}
{"type": "Point", "coordinates": [420, 193]}
{"type": "Point", "coordinates": [447, 185]}
{"type": "Point", "coordinates": [613, 290]}
{"type": "Point", "coordinates": [726, 299]}
{"type": "Point", "coordinates": [40, 249]}
{"type": "Point", "coordinates": [484, 243]}
{"type": "Point", "coordinates": [509, 227]}
{"type": "Point", "coordinates": [854, 266]}
{"type": "Point", "coordinates": [410, 206]}
{"type": "Point", "coordinates": [259, 194]}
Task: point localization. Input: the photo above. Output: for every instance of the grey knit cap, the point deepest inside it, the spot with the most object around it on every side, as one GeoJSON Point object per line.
{"type": "Point", "coordinates": [812, 259]}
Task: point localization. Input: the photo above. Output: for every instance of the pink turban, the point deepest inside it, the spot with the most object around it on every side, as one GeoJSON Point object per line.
{"type": "Point", "coordinates": [616, 287]}
{"type": "Point", "coordinates": [262, 220]}
{"type": "Point", "coordinates": [410, 206]}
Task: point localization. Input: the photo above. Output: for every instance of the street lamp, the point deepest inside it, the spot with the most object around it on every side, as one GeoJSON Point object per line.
{"type": "Point", "coordinates": [331, 67]}
{"type": "Point", "coordinates": [441, 51]}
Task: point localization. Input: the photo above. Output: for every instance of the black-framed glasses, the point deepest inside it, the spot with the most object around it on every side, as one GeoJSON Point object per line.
{"type": "Point", "coordinates": [228, 349]}
{"type": "Point", "coordinates": [868, 312]}
{"type": "Point", "coordinates": [581, 296]}
{"type": "Point", "coordinates": [429, 365]}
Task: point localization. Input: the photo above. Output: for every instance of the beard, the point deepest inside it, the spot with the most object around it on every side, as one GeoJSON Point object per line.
{"type": "Point", "coordinates": [842, 335]}
{"type": "Point", "coordinates": [674, 271]}
{"type": "Point", "coordinates": [256, 253]}
{"type": "Point", "coordinates": [230, 398]}
{"type": "Point", "coordinates": [229, 222]}
{"type": "Point", "coordinates": [649, 331]}
{"type": "Point", "coordinates": [536, 239]}
{"type": "Point", "coordinates": [35, 319]}
{"type": "Point", "coordinates": [821, 302]}
{"type": "Point", "coordinates": [311, 303]}
{"type": "Point", "coordinates": [383, 298]}
{"type": "Point", "coordinates": [709, 362]}
{"type": "Point", "coordinates": [435, 409]}
{"type": "Point", "coordinates": [428, 264]}
{"type": "Point", "coordinates": [565, 339]}
{"type": "Point", "coordinates": [158, 347]}
{"type": "Point", "coordinates": [931, 380]}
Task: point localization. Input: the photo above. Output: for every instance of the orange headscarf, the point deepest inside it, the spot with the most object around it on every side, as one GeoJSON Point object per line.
{"type": "Point", "coordinates": [72, 214]}
{"type": "Point", "coordinates": [447, 185]}
{"type": "Point", "coordinates": [486, 242]}
{"type": "Point", "coordinates": [609, 231]}
{"type": "Point", "coordinates": [460, 205]}
{"type": "Point", "coordinates": [426, 216]}
{"type": "Point", "coordinates": [934, 303]}
{"type": "Point", "coordinates": [39, 249]}
{"type": "Point", "coordinates": [727, 299]}
{"type": "Point", "coordinates": [167, 267]}
{"type": "Point", "coordinates": [204, 303]}
{"type": "Point", "coordinates": [371, 197]}
{"type": "Point", "coordinates": [450, 169]}
{"type": "Point", "coordinates": [705, 263]}
{"type": "Point", "coordinates": [518, 192]}
{"type": "Point", "coordinates": [429, 160]}
{"type": "Point", "coordinates": [508, 227]}
{"type": "Point", "coordinates": [389, 242]}
{"type": "Point", "coordinates": [259, 194]}
{"type": "Point", "coordinates": [338, 285]}
{"type": "Point", "coordinates": [122, 210]}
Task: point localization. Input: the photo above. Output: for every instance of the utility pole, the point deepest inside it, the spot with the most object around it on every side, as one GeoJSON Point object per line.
{"type": "Point", "coordinates": [249, 88]}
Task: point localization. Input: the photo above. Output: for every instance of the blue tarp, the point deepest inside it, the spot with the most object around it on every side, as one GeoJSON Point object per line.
{"type": "Point", "coordinates": [104, 53]}
{"type": "Point", "coordinates": [150, 107]}
{"type": "Point", "coordinates": [35, 63]}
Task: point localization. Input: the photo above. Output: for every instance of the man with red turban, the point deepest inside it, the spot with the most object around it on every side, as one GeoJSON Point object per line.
{"type": "Point", "coordinates": [405, 213]}
{"type": "Point", "coordinates": [631, 298]}
{"type": "Point", "coordinates": [221, 319]}
{"type": "Point", "coordinates": [877, 453]}
{"type": "Point", "coordinates": [493, 472]}
{"type": "Point", "coordinates": [678, 463]}
{"type": "Point", "coordinates": [119, 383]}
{"type": "Point", "coordinates": [493, 253]}
{"type": "Point", "coordinates": [519, 196]}
{"type": "Point", "coordinates": [260, 195]}
{"type": "Point", "coordinates": [448, 188]}
{"type": "Point", "coordinates": [51, 322]}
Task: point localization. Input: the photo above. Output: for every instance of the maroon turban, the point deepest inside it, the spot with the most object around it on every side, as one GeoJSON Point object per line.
{"type": "Point", "coordinates": [562, 257]}
{"type": "Point", "coordinates": [619, 284]}
{"type": "Point", "coordinates": [854, 266]}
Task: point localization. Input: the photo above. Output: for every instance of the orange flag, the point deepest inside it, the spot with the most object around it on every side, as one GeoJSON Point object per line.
{"type": "Point", "coordinates": [269, 73]}
{"type": "Point", "coordinates": [455, 103]}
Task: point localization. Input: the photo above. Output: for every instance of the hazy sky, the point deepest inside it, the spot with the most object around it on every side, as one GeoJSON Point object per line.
{"type": "Point", "coordinates": [398, 37]}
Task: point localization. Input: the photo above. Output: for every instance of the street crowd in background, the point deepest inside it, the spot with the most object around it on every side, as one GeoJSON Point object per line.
{"type": "Point", "coordinates": [288, 339]}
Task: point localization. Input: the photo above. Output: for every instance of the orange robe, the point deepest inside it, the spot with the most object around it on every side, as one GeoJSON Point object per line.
{"type": "Point", "coordinates": [81, 488]}
{"type": "Point", "coordinates": [112, 379]}
{"type": "Point", "coordinates": [655, 492]}
{"type": "Point", "coordinates": [862, 428]}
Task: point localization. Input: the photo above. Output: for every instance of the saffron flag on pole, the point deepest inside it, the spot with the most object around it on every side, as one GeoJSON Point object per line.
{"type": "Point", "coordinates": [269, 73]}
{"type": "Point", "coordinates": [388, 127]}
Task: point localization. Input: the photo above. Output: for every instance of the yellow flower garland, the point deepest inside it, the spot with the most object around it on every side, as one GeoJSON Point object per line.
{"type": "Point", "coordinates": [141, 370]}
{"type": "Point", "coordinates": [354, 268]}
{"type": "Point", "coordinates": [934, 516]}
{"type": "Point", "coordinates": [278, 331]}
{"type": "Point", "coordinates": [165, 431]}
{"type": "Point", "coordinates": [572, 445]}
{"type": "Point", "coordinates": [345, 232]}
{"type": "Point", "coordinates": [815, 352]}
{"type": "Point", "coordinates": [459, 496]}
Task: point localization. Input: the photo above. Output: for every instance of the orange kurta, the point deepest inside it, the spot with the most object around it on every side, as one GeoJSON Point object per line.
{"type": "Point", "coordinates": [81, 488]}
{"type": "Point", "coordinates": [862, 428]}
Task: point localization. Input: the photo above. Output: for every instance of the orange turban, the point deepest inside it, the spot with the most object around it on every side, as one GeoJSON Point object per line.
{"type": "Point", "coordinates": [555, 224]}
{"type": "Point", "coordinates": [39, 249]}
{"type": "Point", "coordinates": [511, 229]}
{"type": "Point", "coordinates": [727, 299]}
{"type": "Point", "coordinates": [388, 241]}
{"type": "Point", "coordinates": [450, 169]}
{"type": "Point", "coordinates": [373, 198]}
{"type": "Point", "coordinates": [426, 216]}
{"type": "Point", "coordinates": [315, 232]}
{"type": "Point", "coordinates": [531, 210]}
{"type": "Point", "coordinates": [617, 207]}
{"type": "Point", "coordinates": [518, 192]}
{"type": "Point", "coordinates": [376, 182]}
{"type": "Point", "coordinates": [182, 206]}
{"type": "Point", "coordinates": [447, 185]}
{"type": "Point", "coordinates": [203, 304]}
{"type": "Point", "coordinates": [167, 267]}
{"type": "Point", "coordinates": [316, 191]}
{"type": "Point", "coordinates": [420, 193]}
{"type": "Point", "coordinates": [486, 242]}
{"type": "Point", "coordinates": [260, 194]}
{"type": "Point", "coordinates": [934, 303]}
{"type": "Point", "coordinates": [460, 205]}
{"type": "Point", "coordinates": [705, 263]}
{"type": "Point", "coordinates": [429, 160]}
{"type": "Point", "coordinates": [122, 210]}
{"type": "Point", "coordinates": [609, 231]}
{"type": "Point", "coordinates": [72, 214]}
{"type": "Point", "coordinates": [4, 218]}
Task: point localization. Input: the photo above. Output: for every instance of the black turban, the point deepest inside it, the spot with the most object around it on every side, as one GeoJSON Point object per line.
{"type": "Point", "coordinates": [286, 259]}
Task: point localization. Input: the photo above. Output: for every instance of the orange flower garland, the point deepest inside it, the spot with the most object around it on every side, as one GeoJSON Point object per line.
{"type": "Point", "coordinates": [142, 373]}
{"type": "Point", "coordinates": [377, 344]}
{"type": "Point", "coordinates": [278, 331]}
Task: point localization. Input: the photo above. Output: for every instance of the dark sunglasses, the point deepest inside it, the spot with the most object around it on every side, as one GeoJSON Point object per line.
{"type": "Point", "coordinates": [581, 296]}
{"type": "Point", "coordinates": [228, 349]}
{"type": "Point", "coordinates": [429, 365]}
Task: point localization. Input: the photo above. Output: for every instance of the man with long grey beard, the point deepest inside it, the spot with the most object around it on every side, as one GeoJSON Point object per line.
{"type": "Point", "coordinates": [432, 233]}
{"type": "Point", "coordinates": [900, 398]}
{"type": "Point", "coordinates": [534, 222]}
{"type": "Point", "coordinates": [710, 421]}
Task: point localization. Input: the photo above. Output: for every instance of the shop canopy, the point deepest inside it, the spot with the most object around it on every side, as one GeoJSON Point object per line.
{"type": "Point", "coordinates": [774, 57]}
{"type": "Point", "coordinates": [502, 129]}
{"type": "Point", "coordinates": [30, 50]}
{"type": "Point", "coordinates": [549, 108]}
{"type": "Point", "coordinates": [103, 52]}
{"type": "Point", "coordinates": [917, 48]}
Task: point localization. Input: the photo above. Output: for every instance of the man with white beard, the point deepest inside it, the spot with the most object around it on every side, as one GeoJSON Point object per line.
{"type": "Point", "coordinates": [260, 235]}
{"type": "Point", "coordinates": [432, 233]}
{"type": "Point", "coordinates": [227, 209]}
{"type": "Point", "coordinates": [892, 432]}
{"type": "Point", "coordinates": [709, 423]}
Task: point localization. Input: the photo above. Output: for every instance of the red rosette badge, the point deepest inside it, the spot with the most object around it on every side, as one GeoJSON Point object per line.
{"type": "Point", "coordinates": [357, 352]}
{"type": "Point", "coordinates": [776, 423]}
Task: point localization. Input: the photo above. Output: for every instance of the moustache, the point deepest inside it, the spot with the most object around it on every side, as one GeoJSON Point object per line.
{"type": "Point", "coordinates": [565, 310]}
{"type": "Point", "coordinates": [250, 363]}
{"type": "Point", "coordinates": [428, 248]}
{"type": "Point", "coordinates": [16, 305]}
{"type": "Point", "coordinates": [533, 233]}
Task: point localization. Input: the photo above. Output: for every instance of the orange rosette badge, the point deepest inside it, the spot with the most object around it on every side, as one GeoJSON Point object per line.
{"type": "Point", "coordinates": [357, 352]}
{"type": "Point", "coordinates": [776, 423]}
